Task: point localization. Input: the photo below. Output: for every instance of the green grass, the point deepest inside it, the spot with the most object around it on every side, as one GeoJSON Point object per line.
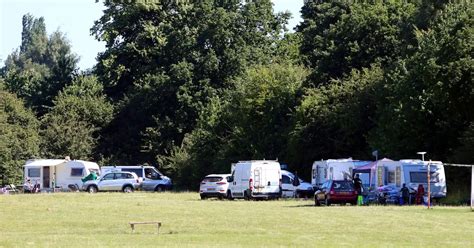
{"type": "Point", "coordinates": [101, 220]}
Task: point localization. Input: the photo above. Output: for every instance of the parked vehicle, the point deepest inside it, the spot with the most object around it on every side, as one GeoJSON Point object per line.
{"type": "Point", "coordinates": [58, 173]}
{"type": "Point", "coordinates": [411, 172]}
{"type": "Point", "coordinates": [334, 169]}
{"type": "Point", "coordinates": [214, 185]}
{"type": "Point", "coordinates": [255, 179]}
{"type": "Point", "coordinates": [114, 181]}
{"type": "Point", "coordinates": [336, 191]}
{"type": "Point", "coordinates": [153, 179]}
{"type": "Point", "coordinates": [291, 189]}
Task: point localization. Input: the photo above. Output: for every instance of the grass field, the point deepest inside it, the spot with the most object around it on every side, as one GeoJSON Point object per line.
{"type": "Point", "coordinates": [85, 220]}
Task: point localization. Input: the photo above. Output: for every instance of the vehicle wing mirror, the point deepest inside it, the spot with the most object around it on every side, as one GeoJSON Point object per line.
{"type": "Point", "coordinates": [230, 179]}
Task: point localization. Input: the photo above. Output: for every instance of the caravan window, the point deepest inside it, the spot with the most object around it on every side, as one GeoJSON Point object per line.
{"type": "Point", "coordinates": [77, 172]}
{"type": "Point", "coordinates": [421, 177]}
{"type": "Point", "coordinates": [390, 177]}
{"type": "Point", "coordinates": [34, 172]}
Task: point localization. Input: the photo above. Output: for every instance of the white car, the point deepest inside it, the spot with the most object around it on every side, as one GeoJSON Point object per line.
{"type": "Point", "coordinates": [214, 185]}
{"type": "Point", "coordinates": [114, 181]}
{"type": "Point", "coordinates": [289, 190]}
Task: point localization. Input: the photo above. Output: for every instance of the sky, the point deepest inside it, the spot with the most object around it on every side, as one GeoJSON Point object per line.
{"type": "Point", "coordinates": [75, 18]}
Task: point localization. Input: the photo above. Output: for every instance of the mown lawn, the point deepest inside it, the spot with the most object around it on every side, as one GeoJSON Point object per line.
{"type": "Point", "coordinates": [98, 220]}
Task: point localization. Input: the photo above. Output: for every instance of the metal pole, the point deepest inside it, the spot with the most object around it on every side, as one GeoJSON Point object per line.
{"type": "Point", "coordinates": [472, 188]}
{"type": "Point", "coordinates": [429, 184]}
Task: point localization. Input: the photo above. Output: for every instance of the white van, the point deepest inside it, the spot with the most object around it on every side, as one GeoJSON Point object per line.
{"type": "Point", "coordinates": [255, 179]}
{"type": "Point", "coordinates": [153, 179]}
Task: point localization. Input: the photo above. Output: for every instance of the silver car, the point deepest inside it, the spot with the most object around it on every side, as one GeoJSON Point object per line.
{"type": "Point", "coordinates": [114, 181]}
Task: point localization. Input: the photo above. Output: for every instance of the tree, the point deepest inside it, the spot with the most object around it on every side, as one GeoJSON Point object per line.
{"type": "Point", "coordinates": [42, 66]}
{"type": "Point", "coordinates": [252, 121]}
{"type": "Point", "coordinates": [339, 37]}
{"type": "Point", "coordinates": [19, 139]}
{"type": "Point", "coordinates": [333, 121]}
{"type": "Point", "coordinates": [425, 105]}
{"type": "Point", "coordinates": [72, 126]}
{"type": "Point", "coordinates": [165, 61]}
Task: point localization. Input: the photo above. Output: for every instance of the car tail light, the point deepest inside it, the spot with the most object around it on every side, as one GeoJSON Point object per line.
{"type": "Point", "coordinates": [250, 184]}
{"type": "Point", "coordinates": [221, 183]}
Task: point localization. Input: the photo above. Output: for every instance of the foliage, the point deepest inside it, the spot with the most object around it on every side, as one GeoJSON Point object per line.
{"type": "Point", "coordinates": [71, 127]}
{"type": "Point", "coordinates": [42, 66]}
{"type": "Point", "coordinates": [427, 98]}
{"type": "Point", "coordinates": [165, 61]}
{"type": "Point", "coordinates": [19, 139]}
{"type": "Point", "coordinates": [339, 37]}
{"type": "Point", "coordinates": [251, 122]}
{"type": "Point", "coordinates": [332, 121]}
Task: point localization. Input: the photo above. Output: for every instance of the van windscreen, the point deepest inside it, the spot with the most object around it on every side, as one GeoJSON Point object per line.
{"type": "Point", "coordinates": [138, 171]}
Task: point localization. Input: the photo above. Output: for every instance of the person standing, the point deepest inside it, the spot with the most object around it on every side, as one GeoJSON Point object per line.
{"type": "Point", "coordinates": [358, 188]}
{"type": "Point", "coordinates": [405, 194]}
{"type": "Point", "coordinates": [419, 194]}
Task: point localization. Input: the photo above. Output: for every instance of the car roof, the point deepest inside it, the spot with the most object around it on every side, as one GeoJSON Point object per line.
{"type": "Point", "coordinates": [218, 175]}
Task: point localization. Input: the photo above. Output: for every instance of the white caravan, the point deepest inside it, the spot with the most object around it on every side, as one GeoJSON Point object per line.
{"type": "Point", "coordinates": [255, 179]}
{"type": "Point", "coordinates": [334, 169]}
{"type": "Point", "coordinates": [58, 173]}
{"type": "Point", "coordinates": [410, 172]}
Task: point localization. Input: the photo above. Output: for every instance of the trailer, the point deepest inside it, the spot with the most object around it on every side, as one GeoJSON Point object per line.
{"type": "Point", "coordinates": [58, 173]}
{"type": "Point", "coordinates": [334, 169]}
{"type": "Point", "coordinates": [411, 172]}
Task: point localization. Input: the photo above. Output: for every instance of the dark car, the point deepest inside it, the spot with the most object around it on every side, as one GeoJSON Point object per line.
{"type": "Point", "coordinates": [336, 191]}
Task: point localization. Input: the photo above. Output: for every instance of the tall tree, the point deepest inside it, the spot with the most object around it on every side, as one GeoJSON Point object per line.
{"type": "Point", "coordinates": [339, 37]}
{"type": "Point", "coordinates": [42, 66]}
{"type": "Point", "coordinates": [72, 126]}
{"type": "Point", "coordinates": [165, 60]}
{"type": "Point", "coordinates": [19, 139]}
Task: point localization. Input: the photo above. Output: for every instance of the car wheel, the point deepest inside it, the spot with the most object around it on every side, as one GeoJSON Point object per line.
{"type": "Point", "coordinates": [159, 188]}
{"type": "Point", "coordinates": [327, 202]}
{"type": "Point", "coordinates": [127, 189]}
{"type": "Point", "coordinates": [203, 197]}
{"type": "Point", "coordinates": [229, 195]}
{"type": "Point", "coordinates": [316, 202]}
{"type": "Point", "coordinates": [92, 189]}
{"type": "Point", "coordinates": [247, 197]}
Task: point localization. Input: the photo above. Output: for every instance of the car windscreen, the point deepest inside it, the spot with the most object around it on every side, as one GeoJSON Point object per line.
{"type": "Point", "coordinates": [422, 177]}
{"type": "Point", "coordinates": [212, 179]}
{"type": "Point", "coordinates": [342, 186]}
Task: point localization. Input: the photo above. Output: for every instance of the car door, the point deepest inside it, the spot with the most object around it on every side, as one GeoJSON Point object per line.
{"type": "Point", "coordinates": [321, 194]}
{"type": "Point", "coordinates": [119, 180]}
{"type": "Point", "coordinates": [287, 187]}
{"type": "Point", "coordinates": [106, 182]}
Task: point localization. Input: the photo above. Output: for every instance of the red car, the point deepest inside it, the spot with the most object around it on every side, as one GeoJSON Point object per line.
{"type": "Point", "coordinates": [336, 191]}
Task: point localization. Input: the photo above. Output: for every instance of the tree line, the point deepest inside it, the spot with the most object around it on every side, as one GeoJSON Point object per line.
{"type": "Point", "coordinates": [192, 87]}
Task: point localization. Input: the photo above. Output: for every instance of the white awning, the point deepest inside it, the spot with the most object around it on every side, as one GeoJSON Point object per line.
{"type": "Point", "coordinates": [44, 162]}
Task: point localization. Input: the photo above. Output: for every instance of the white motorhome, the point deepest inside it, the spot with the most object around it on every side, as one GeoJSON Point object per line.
{"type": "Point", "coordinates": [255, 179]}
{"type": "Point", "coordinates": [334, 169]}
{"type": "Point", "coordinates": [58, 173]}
{"type": "Point", "coordinates": [411, 172]}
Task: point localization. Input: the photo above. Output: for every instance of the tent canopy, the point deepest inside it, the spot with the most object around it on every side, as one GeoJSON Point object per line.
{"type": "Point", "coordinates": [369, 167]}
